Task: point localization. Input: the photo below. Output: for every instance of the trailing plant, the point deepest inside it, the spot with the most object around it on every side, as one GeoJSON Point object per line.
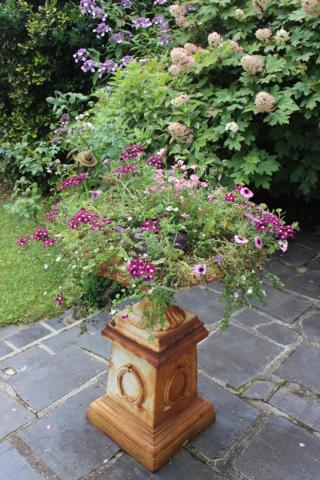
{"type": "Point", "coordinates": [168, 228]}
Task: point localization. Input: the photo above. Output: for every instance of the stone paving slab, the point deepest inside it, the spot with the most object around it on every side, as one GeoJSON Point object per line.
{"type": "Point", "coordinates": [297, 255]}
{"type": "Point", "coordinates": [236, 356]}
{"type": "Point", "coordinates": [50, 377]}
{"type": "Point", "coordinates": [234, 416]}
{"type": "Point", "coordinates": [305, 409]}
{"type": "Point", "coordinates": [12, 415]}
{"type": "Point", "coordinates": [13, 466]}
{"type": "Point", "coordinates": [182, 467]}
{"type": "Point", "coordinates": [281, 451]}
{"type": "Point", "coordinates": [6, 331]}
{"type": "Point", "coordinates": [260, 390]}
{"type": "Point", "coordinates": [302, 367]}
{"type": "Point", "coordinates": [279, 333]}
{"type": "Point", "coordinates": [66, 442]}
{"type": "Point", "coordinates": [205, 303]}
{"type": "Point", "coordinates": [281, 270]}
{"type": "Point", "coordinates": [282, 305]}
{"type": "Point", "coordinates": [311, 327]}
{"type": "Point", "coordinates": [28, 335]}
{"type": "Point", "coordinates": [250, 317]}
{"type": "Point", "coordinates": [5, 349]}
{"type": "Point", "coordinates": [307, 284]}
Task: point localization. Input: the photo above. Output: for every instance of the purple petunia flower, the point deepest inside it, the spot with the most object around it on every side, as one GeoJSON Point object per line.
{"type": "Point", "coordinates": [240, 240]}
{"type": "Point", "coordinates": [200, 269]}
{"type": "Point", "coordinates": [218, 259]}
{"type": "Point", "coordinates": [142, 22]}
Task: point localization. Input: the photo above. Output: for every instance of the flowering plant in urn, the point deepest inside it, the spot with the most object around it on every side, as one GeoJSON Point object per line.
{"type": "Point", "coordinates": [157, 229]}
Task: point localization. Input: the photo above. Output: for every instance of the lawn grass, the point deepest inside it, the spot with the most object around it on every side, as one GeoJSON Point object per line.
{"type": "Point", "coordinates": [27, 289]}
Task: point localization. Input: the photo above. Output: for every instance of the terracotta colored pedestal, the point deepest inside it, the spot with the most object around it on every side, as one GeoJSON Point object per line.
{"type": "Point", "coordinates": [152, 408]}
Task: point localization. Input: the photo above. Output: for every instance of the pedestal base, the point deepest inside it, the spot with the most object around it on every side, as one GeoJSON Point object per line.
{"type": "Point", "coordinates": [151, 447]}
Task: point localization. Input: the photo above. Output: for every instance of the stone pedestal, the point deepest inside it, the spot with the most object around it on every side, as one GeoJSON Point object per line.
{"type": "Point", "coordinates": [152, 408]}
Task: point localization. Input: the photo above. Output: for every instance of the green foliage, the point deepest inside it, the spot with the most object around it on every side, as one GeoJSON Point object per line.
{"type": "Point", "coordinates": [27, 283]}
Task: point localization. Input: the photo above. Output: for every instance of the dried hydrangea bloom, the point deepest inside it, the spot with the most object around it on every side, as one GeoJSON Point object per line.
{"type": "Point", "coordinates": [265, 102]}
{"type": "Point", "coordinates": [191, 48]}
{"type": "Point", "coordinates": [180, 99]}
{"type": "Point", "coordinates": [311, 6]}
{"type": "Point", "coordinates": [252, 64]}
{"type": "Point", "coordinates": [180, 132]}
{"type": "Point", "coordinates": [215, 39]}
{"type": "Point", "coordinates": [260, 6]}
{"type": "Point", "coordinates": [177, 10]}
{"type": "Point", "coordinates": [235, 46]}
{"type": "Point", "coordinates": [179, 55]}
{"type": "Point", "coordinates": [281, 36]}
{"type": "Point", "coordinates": [180, 21]}
{"type": "Point", "coordinates": [263, 34]}
{"type": "Point", "coordinates": [175, 70]}
{"type": "Point", "coordinates": [239, 14]}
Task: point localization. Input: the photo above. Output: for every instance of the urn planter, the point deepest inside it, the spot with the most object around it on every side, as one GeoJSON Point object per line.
{"type": "Point", "coordinates": [151, 407]}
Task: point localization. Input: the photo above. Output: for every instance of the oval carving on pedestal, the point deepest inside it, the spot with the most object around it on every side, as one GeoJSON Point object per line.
{"type": "Point", "coordinates": [177, 387]}
{"type": "Point", "coordinates": [130, 384]}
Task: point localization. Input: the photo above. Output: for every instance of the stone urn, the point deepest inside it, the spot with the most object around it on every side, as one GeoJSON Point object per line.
{"type": "Point", "coordinates": [151, 407]}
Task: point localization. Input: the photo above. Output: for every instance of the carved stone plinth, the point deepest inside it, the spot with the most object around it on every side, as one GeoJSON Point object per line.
{"type": "Point", "coordinates": [152, 406]}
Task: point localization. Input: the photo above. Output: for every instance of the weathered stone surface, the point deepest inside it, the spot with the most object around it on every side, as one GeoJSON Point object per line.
{"type": "Point", "coordinates": [297, 255]}
{"type": "Point", "coordinates": [309, 239]}
{"type": "Point", "coordinates": [311, 327]}
{"type": "Point", "coordinates": [281, 451]}
{"type": "Point", "coordinates": [302, 367]}
{"type": "Point", "coordinates": [28, 335]}
{"type": "Point", "coordinates": [279, 333]}
{"type": "Point", "coordinates": [12, 415]}
{"type": "Point", "coordinates": [56, 322]}
{"type": "Point", "coordinates": [307, 283]}
{"type": "Point", "coordinates": [90, 340]}
{"type": "Point", "coordinates": [233, 417]}
{"type": "Point", "coordinates": [283, 305]}
{"type": "Point", "coordinates": [250, 317]}
{"type": "Point", "coordinates": [42, 379]}
{"type": "Point", "coordinates": [260, 390]}
{"type": "Point", "coordinates": [6, 331]}
{"type": "Point", "coordinates": [236, 356]}
{"type": "Point", "coordinates": [4, 349]}
{"type": "Point", "coordinates": [281, 270]}
{"type": "Point", "coordinates": [314, 264]}
{"type": "Point", "coordinates": [66, 442]}
{"type": "Point", "coordinates": [303, 408]}
{"type": "Point", "coordinates": [13, 466]}
{"type": "Point", "coordinates": [182, 467]}
{"type": "Point", "coordinates": [205, 303]}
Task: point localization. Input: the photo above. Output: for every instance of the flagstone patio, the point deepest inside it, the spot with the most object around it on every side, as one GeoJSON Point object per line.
{"type": "Point", "coordinates": [262, 375]}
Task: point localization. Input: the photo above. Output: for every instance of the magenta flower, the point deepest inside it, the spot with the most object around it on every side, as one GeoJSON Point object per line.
{"type": "Point", "coordinates": [240, 240]}
{"type": "Point", "coordinates": [131, 151]}
{"type": "Point", "coordinates": [139, 267]}
{"type": "Point", "coordinates": [200, 269]}
{"type": "Point", "coordinates": [246, 192]}
{"type": "Point", "coordinates": [22, 241]}
{"type": "Point", "coordinates": [59, 299]}
{"type": "Point", "coordinates": [258, 242]}
{"type": "Point", "coordinates": [124, 170]}
{"type": "Point", "coordinates": [40, 234]}
{"type": "Point", "coordinates": [229, 197]}
{"type": "Point", "coordinates": [150, 226]}
{"type": "Point", "coordinates": [73, 181]}
{"type": "Point", "coordinates": [49, 242]}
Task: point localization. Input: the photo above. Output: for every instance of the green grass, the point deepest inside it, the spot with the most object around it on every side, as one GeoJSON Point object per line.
{"type": "Point", "coordinates": [27, 289]}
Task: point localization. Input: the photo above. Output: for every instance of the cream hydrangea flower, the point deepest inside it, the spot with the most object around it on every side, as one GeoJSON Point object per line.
{"type": "Point", "coordinates": [281, 36]}
{"type": "Point", "coordinates": [235, 46]}
{"type": "Point", "coordinates": [239, 14]}
{"type": "Point", "coordinates": [265, 102]}
{"type": "Point", "coordinates": [252, 64]}
{"type": "Point", "coordinates": [180, 132]}
{"type": "Point", "coordinates": [263, 34]}
{"type": "Point", "coordinates": [215, 39]}
{"type": "Point", "coordinates": [178, 10]}
{"type": "Point", "coordinates": [180, 100]}
{"type": "Point", "coordinates": [260, 6]}
{"type": "Point", "coordinates": [311, 6]}
{"type": "Point", "coordinates": [231, 127]}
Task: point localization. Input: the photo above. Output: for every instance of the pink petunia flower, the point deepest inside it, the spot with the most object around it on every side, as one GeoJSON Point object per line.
{"type": "Point", "coordinates": [200, 269]}
{"type": "Point", "coordinates": [240, 240]}
{"type": "Point", "coordinates": [258, 243]}
{"type": "Point", "coordinates": [246, 192]}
